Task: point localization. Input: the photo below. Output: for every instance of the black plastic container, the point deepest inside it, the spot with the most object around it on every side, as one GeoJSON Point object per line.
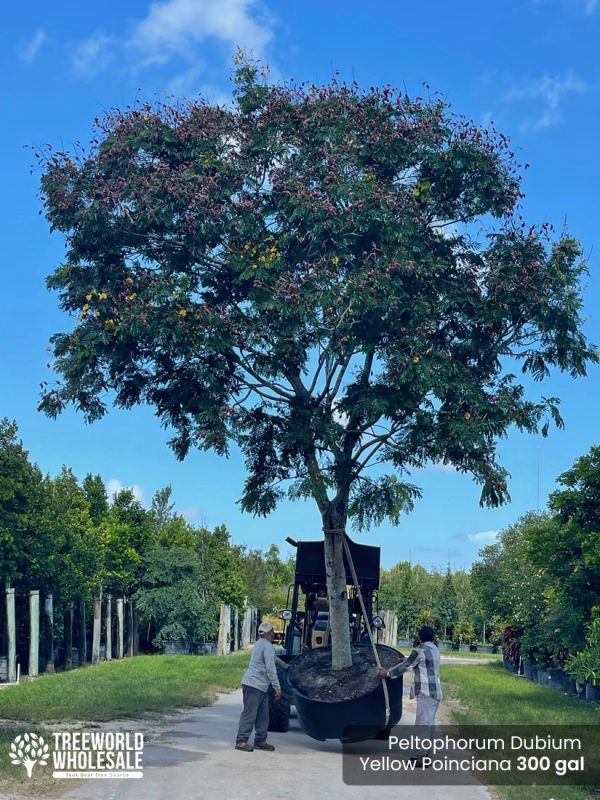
{"type": "Point", "coordinates": [365, 714]}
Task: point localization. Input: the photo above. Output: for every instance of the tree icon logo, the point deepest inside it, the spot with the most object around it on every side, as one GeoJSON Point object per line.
{"type": "Point", "coordinates": [29, 749]}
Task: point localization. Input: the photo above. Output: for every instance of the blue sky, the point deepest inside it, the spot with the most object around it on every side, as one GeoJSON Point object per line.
{"type": "Point", "coordinates": [530, 66]}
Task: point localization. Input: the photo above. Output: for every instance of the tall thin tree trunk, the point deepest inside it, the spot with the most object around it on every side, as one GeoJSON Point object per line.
{"type": "Point", "coordinates": [108, 627]}
{"type": "Point", "coordinates": [81, 635]}
{"type": "Point", "coordinates": [129, 627]}
{"type": "Point", "coordinates": [119, 627]}
{"type": "Point", "coordinates": [135, 621]}
{"type": "Point", "coordinates": [339, 620]}
{"type": "Point", "coordinates": [34, 633]}
{"type": "Point", "coordinates": [68, 627]}
{"type": "Point", "coordinates": [96, 628]}
{"type": "Point", "coordinates": [49, 633]}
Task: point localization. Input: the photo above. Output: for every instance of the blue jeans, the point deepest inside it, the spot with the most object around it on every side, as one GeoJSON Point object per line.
{"type": "Point", "coordinates": [255, 715]}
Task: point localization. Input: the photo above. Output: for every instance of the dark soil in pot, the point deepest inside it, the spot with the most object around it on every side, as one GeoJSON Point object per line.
{"type": "Point", "coordinates": [313, 677]}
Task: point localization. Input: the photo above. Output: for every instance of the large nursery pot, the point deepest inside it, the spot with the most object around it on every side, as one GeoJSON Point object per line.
{"type": "Point", "coordinates": [530, 670]}
{"type": "Point", "coordinates": [592, 693]}
{"type": "Point", "coordinates": [329, 720]}
{"type": "Point", "coordinates": [542, 676]}
{"type": "Point", "coordinates": [556, 678]}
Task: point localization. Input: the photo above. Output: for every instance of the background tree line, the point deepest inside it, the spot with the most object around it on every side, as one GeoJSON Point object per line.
{"type": "Point", "coordinates": [445, 601]}
{"type": "Point", "coordinates": [67, 538]}
{"type": "Point", "coordinates": [542, 577]}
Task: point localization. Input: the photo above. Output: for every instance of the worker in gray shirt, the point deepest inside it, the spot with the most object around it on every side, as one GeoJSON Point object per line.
{"type": "Point", "coordinates": [261, 672]}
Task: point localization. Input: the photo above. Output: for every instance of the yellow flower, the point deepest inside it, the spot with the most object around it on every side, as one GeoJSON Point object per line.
{"type": "Point", "coordinates": [468, 416]}
{"type": "Point", "coordinates": [86, 307]}
{"type": "Point", "coordinates": [146, 117]}
{"type": "Point", "coordinates": [88, 297]}
{"type": "Point", "coordinates": [335, 260]}
{"type": "Point", "coordinates": [182, 312]}
{"type": "Point", "coordinates": [110, 322]}
{"type": "Point", "coordinates": [131, 296]}
{"type": "Point", "coordinates": [103, 295]}
{"type": "Point", "coordinates": [416, 359]}
{"type": "Point", "coordinates": [254, 266]}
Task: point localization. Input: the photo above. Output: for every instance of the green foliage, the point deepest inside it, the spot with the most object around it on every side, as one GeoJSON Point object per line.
{"type": "Point", "coordinates": [464, 632]}
{"type": "Point", "coordinates": [585, 665]}
{"type": "Point", "coordinates": [301, 274]}
{"type": "Point", "coordinates": [220, 561]}
{"type": "Point", "coordinates": [504, 579]}
{"type": "Point", "coordinates": [421, 597]}
{"type": "Point", "coordinates": [96, 496]}
{"type": "Point", "coordinates": [542, 575]}
{"type": "Point", "coordinates": [20, 490]}
{"type": "Point", "coordinates": [374, 500]}
{"type": "Point", "coordinates": [267, 578]}
{"type": "Point", "coordinates": [73, 561]}
{"type": "Point", "coordinates": [446, 607]}
{"type": "Point", "coordinates": [172, 596]}
{"type": "Point", "coordinates": [567, 547]}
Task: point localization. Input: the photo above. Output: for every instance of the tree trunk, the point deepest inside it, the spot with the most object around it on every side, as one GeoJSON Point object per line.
{"type": "Point", "coordinates": [108, 627]}
{"type": "Point", "coordinates": [135, 621]}
{"type": "Point", "coordinates": [339, 621]}
{"type": "Point", "coordinates": [68, 626]}
{"type": "Point", "coordinates": [119, 627]}
{"type": "Point", "coordinates": [49, 633]}
{"type": "Point", "coordinates": [11, 631]}
{"type": "Point", "coordinates": [34, 633]}
{"type": "Point", "coordinates": [81, 640]}
{"type": "Point", "coordinates": [129, 627]}
{"type": "Point", "coordinates": [96, 630]}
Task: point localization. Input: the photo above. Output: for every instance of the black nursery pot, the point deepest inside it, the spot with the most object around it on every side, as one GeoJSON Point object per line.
{"type": "Point", "coordinates": [530, 670]}
{"type": "Point", "coordinates": [556, 678]}
{"type": "Point", "coordinates": [348, 720]}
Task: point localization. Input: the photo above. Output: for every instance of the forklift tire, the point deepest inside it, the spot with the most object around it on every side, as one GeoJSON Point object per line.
{"type": "Point", "coordinates": [279, 712]}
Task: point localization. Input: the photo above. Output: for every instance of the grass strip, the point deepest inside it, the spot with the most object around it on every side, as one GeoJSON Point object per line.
{"type": "Point", "coordinates": [486, 694]}
{"type": "Point", "coordinates": [127, 688]}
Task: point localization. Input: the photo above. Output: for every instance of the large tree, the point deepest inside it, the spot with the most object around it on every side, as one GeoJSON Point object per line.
{"type": "Point", "coordinates": [331, 278]}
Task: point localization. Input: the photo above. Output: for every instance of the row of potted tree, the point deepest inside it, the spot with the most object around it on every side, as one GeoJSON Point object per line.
{"type": "Point", "coordinates": [577, 674]}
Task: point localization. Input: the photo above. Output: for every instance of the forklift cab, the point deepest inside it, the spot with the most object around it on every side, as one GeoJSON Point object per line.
{"type": "Point", "coordinates": [308, 627]}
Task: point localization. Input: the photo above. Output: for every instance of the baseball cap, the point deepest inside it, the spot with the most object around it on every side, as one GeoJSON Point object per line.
{"type": "Point", "coordinates": [265, 627]}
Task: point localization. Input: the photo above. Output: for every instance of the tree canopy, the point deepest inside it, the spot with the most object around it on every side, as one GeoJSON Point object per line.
{"type": "Point", "coordinates": [331, 278]}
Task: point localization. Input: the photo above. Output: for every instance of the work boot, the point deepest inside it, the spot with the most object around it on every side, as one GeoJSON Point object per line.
{"type": "Point", "coordinates": [263, 746]}
{"type": "Point", "coordinates": [247, 748]}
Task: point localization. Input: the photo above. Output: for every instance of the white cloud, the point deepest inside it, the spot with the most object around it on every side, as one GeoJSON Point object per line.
{"type": "Point", "coordinates": [550, 92]}
{"type": "Point", "coordinates": [31, 48]}
{"type": "Point", "coordinates": [93, 55]}
{"type": "Point", "coordinates": [114, 486]}
{"type": "Point", "coordinates": [483, 538]}
{"type": "Point", "coordinates": [174, 27]}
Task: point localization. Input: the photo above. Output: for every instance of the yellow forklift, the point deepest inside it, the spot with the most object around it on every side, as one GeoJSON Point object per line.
{"type": "Point", "coordinates": [306, 617]}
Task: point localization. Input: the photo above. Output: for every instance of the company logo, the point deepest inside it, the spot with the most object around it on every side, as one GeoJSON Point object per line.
{"type": "Point", "coordinates": [81, 754]}
{"type": "Point", "coordinates": [98, 755]}
{"type": "Point", "coordinates": [29, 749]}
